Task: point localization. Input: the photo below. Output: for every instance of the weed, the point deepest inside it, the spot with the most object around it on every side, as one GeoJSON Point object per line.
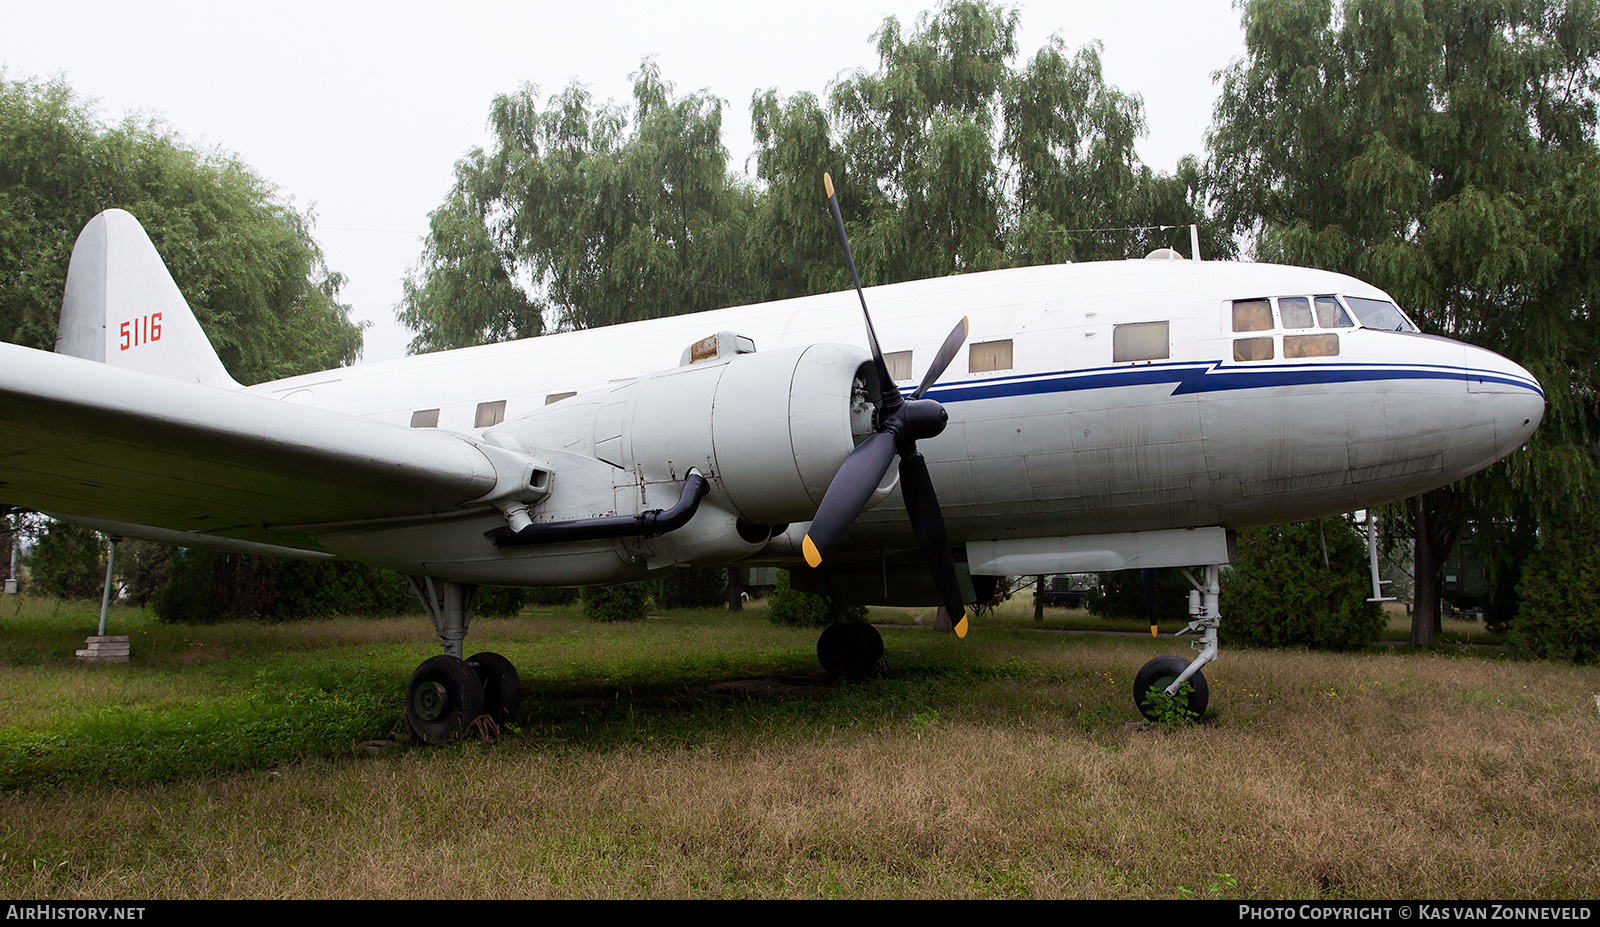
{"type": "Point", "coordinates": [1170, 710]}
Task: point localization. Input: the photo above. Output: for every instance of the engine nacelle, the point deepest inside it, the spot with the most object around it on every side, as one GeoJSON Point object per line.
{"type": "Point", "coordinates": [769, 429]}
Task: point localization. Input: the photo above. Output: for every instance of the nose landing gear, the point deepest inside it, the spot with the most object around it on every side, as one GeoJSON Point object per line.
{"type": "Point", "coordinates": [1169, 673]}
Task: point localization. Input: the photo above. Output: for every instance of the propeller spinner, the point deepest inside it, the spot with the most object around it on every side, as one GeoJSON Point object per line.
{"type": "Point", "coordinates": [901, 423]}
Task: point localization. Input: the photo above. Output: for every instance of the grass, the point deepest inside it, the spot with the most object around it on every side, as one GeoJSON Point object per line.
{"type": "Point", "coordinates": [222, 763]}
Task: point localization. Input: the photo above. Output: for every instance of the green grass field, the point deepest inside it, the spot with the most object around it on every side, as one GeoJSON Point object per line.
{"type": "Point", "coordinates": [698, 755]}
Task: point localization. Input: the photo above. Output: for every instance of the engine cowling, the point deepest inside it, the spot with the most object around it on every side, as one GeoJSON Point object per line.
{"type": "Point", "coordinates": [770, 429]}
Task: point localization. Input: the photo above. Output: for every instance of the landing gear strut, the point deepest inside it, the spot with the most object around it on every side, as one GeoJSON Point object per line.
{"type": "Point", "coordinates": [446, 693]}
{"type": "Point", "coordinates": [1169, 673]}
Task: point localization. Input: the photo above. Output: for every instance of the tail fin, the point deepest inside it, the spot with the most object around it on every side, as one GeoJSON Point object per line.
{"type": "Point", "coordinates": [123, 308]}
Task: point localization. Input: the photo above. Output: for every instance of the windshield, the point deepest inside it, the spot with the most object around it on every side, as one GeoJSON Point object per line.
{"type": "Point", "coordinates": [1379, 314]}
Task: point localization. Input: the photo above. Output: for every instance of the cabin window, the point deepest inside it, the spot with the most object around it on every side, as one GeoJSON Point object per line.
{"type": "Point", "coordinates": [899, 364]}
{"type": "Point", "coordinates": [1252, 315]}
{"type": "Point", "coordinates": [989, 355]}
{"type": "Point", "coordinates": [425, 418]}
{"type": "Point", "coordinates": [490, 413]}
{"type": "Point", "coordinates": [1332, 315]}
{"type": "Point", "coordinates": [1141, 341]}
{"type": "Point", "coordinates": [1295, 312]}
{"type": "Point", "coordinates": [557, 397]}
{"type": "Point", "coordinates": [1310, 345]}
{"type": "Point", "coordinates": [1252, 349]}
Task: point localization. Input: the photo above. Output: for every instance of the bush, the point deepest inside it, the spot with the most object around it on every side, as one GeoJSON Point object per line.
{"type": "Point", "coordinates": [207, 586]}
{"type": "Point", "coordinates": [325, 588]}
{"type": "Point", "coordinates": [792, 607]}
{"type": "Point", "coordinates": [1280, 593]}
{"type": "Point", "coordinates": [616, 603]}
{"type": "Point", "coordinates": [1559, 613]}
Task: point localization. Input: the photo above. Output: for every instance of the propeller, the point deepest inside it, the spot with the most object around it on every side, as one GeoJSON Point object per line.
{"type": "Point", "coordinates": [901, 423]}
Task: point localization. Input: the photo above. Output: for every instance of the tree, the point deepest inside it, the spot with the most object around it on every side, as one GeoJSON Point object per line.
{"type": "Point", "coordinates": [245, 260]}
{"type": "Point", "coordinates": [1444, 150]}
{"type": "Point", "coordinates": [67, 562]}
{"type": "Point", "coordinates": [1304, 584]}
{"type": "Point", "coordinates": [609, 225]}
{"type": "Point", "coordinates": [947, 159]}
{"type": "Point", "coordinates": [1560, 592]}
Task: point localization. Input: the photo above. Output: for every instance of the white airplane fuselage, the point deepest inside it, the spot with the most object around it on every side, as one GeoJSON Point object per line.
{"type": "Point", "coordinates": [1050, 437]}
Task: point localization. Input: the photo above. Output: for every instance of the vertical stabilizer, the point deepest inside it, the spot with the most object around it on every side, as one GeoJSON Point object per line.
{"type": "Point", "coordinates": [123, 308]}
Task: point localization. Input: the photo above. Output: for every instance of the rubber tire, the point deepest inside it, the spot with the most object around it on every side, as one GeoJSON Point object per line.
{"type": "Point", "coordinates": [460, 695]}
{"type": "Point", "coordinates": [849, 649]}
{"type": "Point", "coordinates": [502, 687]}
{"type": "Point", "coordinates": [1160, 672]}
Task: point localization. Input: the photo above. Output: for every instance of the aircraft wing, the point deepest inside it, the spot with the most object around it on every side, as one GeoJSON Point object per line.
{"type": "Point", "coordinates": [83, 438]}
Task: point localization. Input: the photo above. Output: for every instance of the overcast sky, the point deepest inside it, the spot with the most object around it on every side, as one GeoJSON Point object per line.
{"type": "Point", "coordinates": [360, 109]}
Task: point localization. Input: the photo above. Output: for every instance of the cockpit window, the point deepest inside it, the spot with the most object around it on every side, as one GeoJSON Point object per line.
{"type": "Point", "coordinates": [1379, 314]}
{"type": "Point", "coordinates": [1332, 315]}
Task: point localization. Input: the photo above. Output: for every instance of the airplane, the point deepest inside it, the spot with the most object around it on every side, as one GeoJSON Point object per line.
{"type": "Point", "coordinates": [1079, 418]}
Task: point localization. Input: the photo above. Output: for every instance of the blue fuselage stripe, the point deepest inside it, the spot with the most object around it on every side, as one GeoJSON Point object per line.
{"type": "Point", "coordinates": [1212, 376]}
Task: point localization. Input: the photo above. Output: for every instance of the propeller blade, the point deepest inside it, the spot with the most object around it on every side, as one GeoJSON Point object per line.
{"type": "Point", "coordinates": [847, 495]}
{"type": "Point", "coordinates": [889, 396]}
{"type": "Point", "coordinates": [927, 523]}
{"type": "Point", "coordinates": [947, 353]}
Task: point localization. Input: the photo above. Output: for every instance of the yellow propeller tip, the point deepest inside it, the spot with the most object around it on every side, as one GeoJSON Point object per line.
{"type": "Point", "coordinates": [813, 556]}
{"type": "Point", "coordinates": [827, 183]}
{"type": "Point", "coordinates": [961, 626]}
{"type": "Point", "coordinates": [1153, 631]}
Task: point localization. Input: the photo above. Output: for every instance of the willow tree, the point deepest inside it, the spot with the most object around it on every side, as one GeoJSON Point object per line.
{"type": "Point", "coordinates": [1445, 151]}
{"type": "Point", "coordinates": [951, 157]}
{"type": "Point", "coordinates": [581, 216]}
{"type": "Point", "coordinates": [244, 259]}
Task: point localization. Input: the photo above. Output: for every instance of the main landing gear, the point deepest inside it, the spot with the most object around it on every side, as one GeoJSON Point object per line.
{"type": "Point", "coordinates": [1169, 673]}
{"type": "Point", "coordinates": [849, 649]}
{"type": "Point", "coordinates": [447, 694]}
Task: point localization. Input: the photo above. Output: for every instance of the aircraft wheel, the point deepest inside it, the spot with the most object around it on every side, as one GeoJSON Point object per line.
{"type": "Point", "coordinates": [502, 687]}
{"type": "Point", "coordinates": [443, 697]}
{"type": "Point", "coordinates": [849, 649]}
{"type": "Point", "coordinates": [1160, 672]}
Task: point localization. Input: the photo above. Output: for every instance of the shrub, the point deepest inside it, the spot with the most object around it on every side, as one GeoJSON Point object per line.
{"type": "Point", "coordinates": [616, 603]}
{"type": "Point", "coordinates": [1281, 593]}
{"type": "Point", "coordinates": [790, 606]}
{"type": "Point", "coordinates": [325, 588]}
{"type": "Point", "coordinates": [1559, 613]}
{"type": "Point", "coordinates": [207, 586]}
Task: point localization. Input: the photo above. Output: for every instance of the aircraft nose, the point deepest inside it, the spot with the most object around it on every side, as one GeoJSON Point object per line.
{"type": "Point", "coordinates": [1517, 398]}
